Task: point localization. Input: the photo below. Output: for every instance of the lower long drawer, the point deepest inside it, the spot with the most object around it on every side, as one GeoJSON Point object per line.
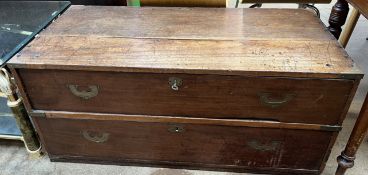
{"type": "Point", "coordinates": [185, 144]}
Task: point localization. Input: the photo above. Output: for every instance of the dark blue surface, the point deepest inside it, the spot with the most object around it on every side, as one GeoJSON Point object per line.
{"type": "Point", "coordinates": [8, 125]}
{"type": "Point", "coordinates": [20, 21]}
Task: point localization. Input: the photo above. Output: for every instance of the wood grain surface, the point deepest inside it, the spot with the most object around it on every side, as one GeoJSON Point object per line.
{"type": "Point", "coordinates": [189, 23]}
{"type": "Point", "coordinates": [233, 97]}
{"type": "Point", "coordinates": [239, 148]}
{"type": "Point", "coordinates": [190, 40]}
{"type": "Point", "coordinates": [287, 1]}
{"type": "Point", "coordinates": [188, 120]}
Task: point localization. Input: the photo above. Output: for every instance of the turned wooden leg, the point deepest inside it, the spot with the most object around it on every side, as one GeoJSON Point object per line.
{"type": "Point", "coordinates": [346, 159]}
{"type": "Point", "coordinates": [338, 17]}
{"type": "Point", "coordinates": [349, 28]}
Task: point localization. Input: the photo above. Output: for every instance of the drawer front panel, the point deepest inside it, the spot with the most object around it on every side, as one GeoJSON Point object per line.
{"type": "Point", "coordinates": [213, 96]}
{"type": "Point", "coordinates": [187, 144]}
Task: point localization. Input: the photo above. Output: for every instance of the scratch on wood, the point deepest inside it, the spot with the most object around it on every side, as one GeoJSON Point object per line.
{"type": "Point", "coordinates": [320, 97]}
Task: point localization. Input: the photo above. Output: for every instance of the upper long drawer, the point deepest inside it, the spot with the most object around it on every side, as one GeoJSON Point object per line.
{"type": "Point", "coordinates": [214, 96]}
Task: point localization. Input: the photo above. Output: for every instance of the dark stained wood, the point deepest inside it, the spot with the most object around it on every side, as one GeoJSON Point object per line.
{"type": "Point", "coordinates": [179, 165]}
{"type": "Point", "coordinates": [110, 73]}
{"type": "Point", "coordinates": [348, 102]}
{"type": "Point", "coordinates": [346, 159]}
{"type": "Point", "coordinates": [328, 152]}
{"type": "Point", "coordinates": [226, 147]}
{"type": "Point", "coordinates": [313, 100]}
{"type": "Point", "coordinates": [338, 17]}
{"type": "Point", "coordinates": [207, 121]}
{"type": "Point", "coordinates": [192, 40]}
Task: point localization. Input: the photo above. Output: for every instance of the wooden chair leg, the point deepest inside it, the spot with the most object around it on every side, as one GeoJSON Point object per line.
{"type": "Point", "coordinates": [349, 28]}
{"type": "Point", "coordinates": [346, 159]}
{"type": "Point", "coordinates": [338, 17]}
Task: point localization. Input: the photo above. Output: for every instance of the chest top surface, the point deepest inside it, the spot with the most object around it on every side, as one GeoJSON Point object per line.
{"type": "Point", "coordinates": [252, 42]}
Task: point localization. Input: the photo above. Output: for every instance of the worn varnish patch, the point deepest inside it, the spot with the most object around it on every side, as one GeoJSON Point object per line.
{"type": "Point", "coordinates": [262, 42]}
{"type": "Point", "coordinates": [249, 57]}
{"type": "Point", "coordinates": [189, 23]}
{"type": "Point", "coordinates": [208, 145]}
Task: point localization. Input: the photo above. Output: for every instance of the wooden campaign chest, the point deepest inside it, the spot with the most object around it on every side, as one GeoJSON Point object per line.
{"type": "Point", "coordinates": [255, 90]}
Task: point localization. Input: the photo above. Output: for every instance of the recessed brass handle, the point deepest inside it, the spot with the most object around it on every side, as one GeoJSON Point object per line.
{"type": "Point", "coordinates": [84, 94]}
{"type": "Point", "coordinates": [95, 136]}
{"type": "Point", "coordinates": [273, 146]}
{"type": "Point", "coordinates": [268, 101]}
{"type": "Point", "coordinates": [175, 82]}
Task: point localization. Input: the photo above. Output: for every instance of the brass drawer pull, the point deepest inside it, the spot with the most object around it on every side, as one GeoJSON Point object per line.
{"type": "Point", "coordinates": [96, 136]}
{"type": "Point", "coordinates": [264, 147]}
{"type": "Point", "coordinates": [268, 101]}
{"type": "Point", "coordinates": [175, 82]}
{"type": "Point", "coordinates": [176, 128]}
{"type": "Point", "coordinates": [84, 94]}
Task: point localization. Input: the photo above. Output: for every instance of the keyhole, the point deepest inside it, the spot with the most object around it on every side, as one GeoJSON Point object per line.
{"type": "Point", "coordinates": [175, 86]}
{"type": "Point", "coordinates": [174, 83]}
{"type": "Point", "coordinates": [177, 129]}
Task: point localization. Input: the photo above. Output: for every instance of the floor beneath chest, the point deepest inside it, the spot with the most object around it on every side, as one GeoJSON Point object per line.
{"type": "Point", "coordinates": [15, 160]}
